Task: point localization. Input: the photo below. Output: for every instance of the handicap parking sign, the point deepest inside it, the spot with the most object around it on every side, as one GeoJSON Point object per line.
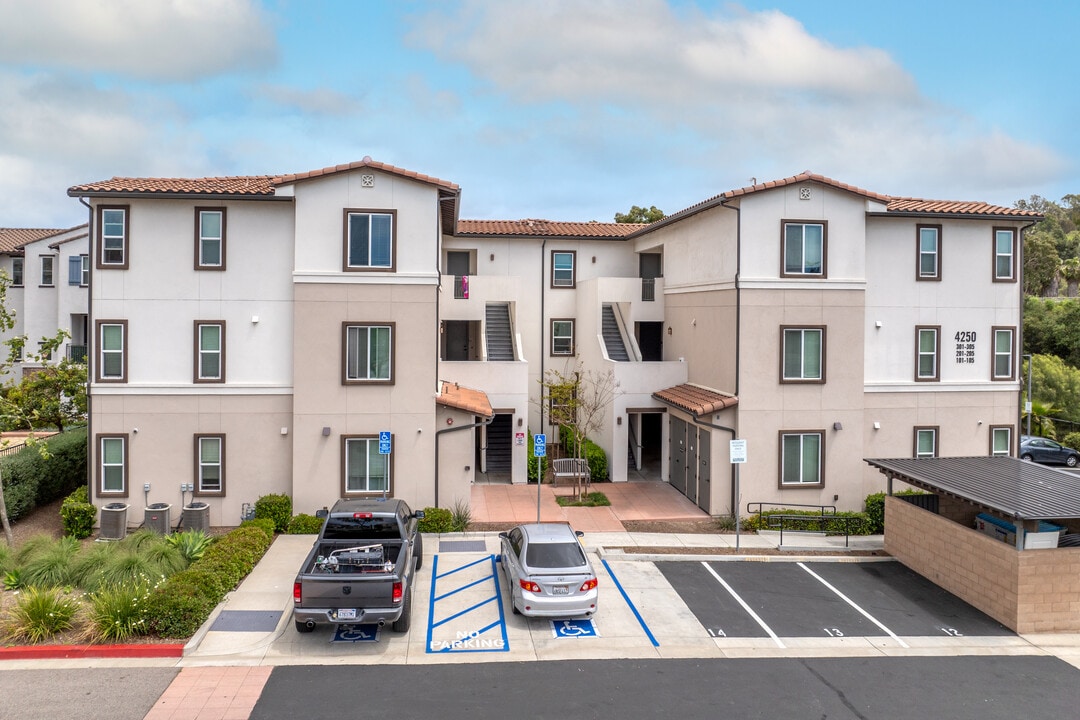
{"type": "Point", "coordinates": [384, 442]}
{"type": "Point", "coordinates": [539, 445]}
{"type": "Point", "coordinates": [573, 628]}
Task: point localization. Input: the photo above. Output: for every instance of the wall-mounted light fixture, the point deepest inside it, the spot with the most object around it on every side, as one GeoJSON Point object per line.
{"type": "Point", "coordinates": [618, 420]}
{"type": "Point", "coordinates": [284, 431]}
{"type": "Point", "coordinates": [837, 426]}
{"type": "Point", "coordinates": [492, 258]}
{"type": "Point", "coordinates": [521, 421]}
{"type": "Point", "coordinates": [326, 431]}
{"type": "Point", "coordinates": [877, 426]}
{"type": "Point", "coordinates": [254, 319]}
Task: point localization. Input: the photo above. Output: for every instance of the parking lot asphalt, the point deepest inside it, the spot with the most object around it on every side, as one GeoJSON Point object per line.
{"type": "Point", "coordinates": [675, 605]}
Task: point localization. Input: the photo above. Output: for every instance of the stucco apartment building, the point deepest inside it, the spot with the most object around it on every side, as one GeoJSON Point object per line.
{"type": "Point", "coordinates": [253, 335]}
{"type": "Point", "coordinates": [48, 274]}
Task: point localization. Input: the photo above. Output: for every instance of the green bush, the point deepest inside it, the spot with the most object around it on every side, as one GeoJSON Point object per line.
{"type": "Point", "coordinates": [51, 566]}
{"type": "Point", "coordinates": [276, 507]}
{"type": "Point", "coordinates": [460, 516]}
{"type": "Point", "coordinates": [304, 524]}
{"type": "Point", "coordinates": [191, 543]}
{"type": "Point", "coordinates": [39, 614]}
{"type": "Point", "coordinates": [32, 478]}
{"type": "Point", "coordinates": [264, 524]}
{"type": "Point", "coordinates": [594, 455]}
{"type": "Point", "coordinates": [1072, 440]}
{"type": "Point", "coordinates": [875, 510]}
{"type": "Point", "coordinates": [860, 526]}
{"type": "Point", "coordinates": [77, 514]}
{"type": "Point", "coordinates": [436, 520]}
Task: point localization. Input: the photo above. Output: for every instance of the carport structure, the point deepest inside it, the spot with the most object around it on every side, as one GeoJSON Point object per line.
{"type": "Point", "coordinates": [1027, 590]}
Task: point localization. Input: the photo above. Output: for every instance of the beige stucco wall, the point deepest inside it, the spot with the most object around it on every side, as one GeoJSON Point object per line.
{"type": "Point", "coordinates": [405, 408]}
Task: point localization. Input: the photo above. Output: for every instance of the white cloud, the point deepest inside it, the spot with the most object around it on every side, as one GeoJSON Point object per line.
{"type": "Point", "coordinates": [181, 40]}
{"type": "Point", "coordinates": [320, 101]}
{"type": "Point", "coordinates": [754, 92]}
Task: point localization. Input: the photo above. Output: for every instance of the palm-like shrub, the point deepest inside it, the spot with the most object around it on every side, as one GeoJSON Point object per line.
{"type": "Point", "coordinates": [118, 612]}
{"type": "Point", "coordinates": [51, 565]}
{"type": "Point", "coordinates": [191, 543]}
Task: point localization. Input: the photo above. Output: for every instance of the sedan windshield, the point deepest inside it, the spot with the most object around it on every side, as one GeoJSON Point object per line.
{"type": "Point", "coordinates": [554, 555]}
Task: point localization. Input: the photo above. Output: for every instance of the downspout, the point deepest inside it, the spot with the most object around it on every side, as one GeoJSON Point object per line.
{"type": "Point", "coordinates": [738, 342]}
{"type": "Point", "coordinates": [89, 347]}
{"type": "Point", "coordinates": [450, 430]}
{"type": "Point", "coordinates": [1020, 345]}
{"type": "Point", "coordinates": [543, 321]}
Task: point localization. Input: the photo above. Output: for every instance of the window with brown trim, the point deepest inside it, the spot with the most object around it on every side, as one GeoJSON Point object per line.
{"type": "Point", "coordinates": [563, 268]}
{"type": "Point", "coordinates": [927, 353]}
{"type": "Point", "coordinates": [209, 351]}
{"type": "Point", "coordinates": [367, 353]}
{"type": "Point", "coordinates": [562, 336]}
{"type": "Point", "coordinates": [370, 240]}
{"type": "Point", "coordinates": [802, 354]}
{"type": "Point", "coordinates": [113, 238]}
{"type": "Point", "coordinates": [802, 458]}
{"type": "Point", "coordinates": [112, 464]}
{"type": "Point", "coordinates": [209, 464]}
{"type": "Point", "coordinates": [925, 442]}
{"type": "Point", "coordinates": [1004, 254]}
{"type": "Point", "coordinates": [804, 248]}
{"type": "Point", "coordinates": [928, 252]}
{"type": "Point", "coordinates": [111, 363]}
{"type": "Point", "coordinates": [1001, 439]}
{"type": "Point", "coordinates": [365, 471]}
{"type": "Point", "coordinates": [210, 225]}
{"type": "Point", "coordinates": [1003, 362]}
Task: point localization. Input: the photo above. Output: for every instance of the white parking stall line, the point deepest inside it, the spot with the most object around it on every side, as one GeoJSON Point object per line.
{"type": "Point", "coordinates": [851, 602]}
{"type": "Point", "coordinates": [747, 608]}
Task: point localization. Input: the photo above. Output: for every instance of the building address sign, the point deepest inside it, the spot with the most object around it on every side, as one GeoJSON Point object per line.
{"type": "Point", "coordinates": [965, 347]}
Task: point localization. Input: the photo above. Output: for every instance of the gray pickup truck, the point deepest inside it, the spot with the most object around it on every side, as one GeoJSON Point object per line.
{"type": "Point", "coordinates": [362, 567]}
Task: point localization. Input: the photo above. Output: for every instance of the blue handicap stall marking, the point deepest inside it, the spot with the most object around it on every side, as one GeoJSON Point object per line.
{"type": "Point", "coordinates": [573, 629]}
{"type": "Point", "coordinates": [465, 613]}
{"type": "Point", "coordinates": [355, 633]}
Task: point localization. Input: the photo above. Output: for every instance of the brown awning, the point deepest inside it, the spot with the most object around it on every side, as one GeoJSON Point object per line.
{"type": "Point", "coordinates": [696, 399]}
{"type": "Point", "coordinates": [461, 398]}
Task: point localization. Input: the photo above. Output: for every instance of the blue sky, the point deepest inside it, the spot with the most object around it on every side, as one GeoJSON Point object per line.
{"type": "Point", "coordinates": [558, 109]}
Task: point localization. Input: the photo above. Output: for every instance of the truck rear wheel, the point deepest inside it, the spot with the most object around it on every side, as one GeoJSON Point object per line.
{"type": "Point", "coordinates": [303, 628]}
{"type": "Point", "coordinates": [402, 623]}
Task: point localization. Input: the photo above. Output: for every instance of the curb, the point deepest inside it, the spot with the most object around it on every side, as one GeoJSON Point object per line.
{"type": "Point", "coordinates": [62, 652]}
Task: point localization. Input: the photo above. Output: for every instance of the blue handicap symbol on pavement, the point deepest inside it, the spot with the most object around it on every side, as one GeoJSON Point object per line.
{"type": "Point", "coordinates": [573, 628]}
{"type": "Point", "coordinates": [356, 633]}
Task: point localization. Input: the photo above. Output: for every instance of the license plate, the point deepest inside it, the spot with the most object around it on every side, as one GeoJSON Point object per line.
{"type": "Point", "coordinates": [560, 590]}
{"type": "Point", "coordinates": [346, 614]}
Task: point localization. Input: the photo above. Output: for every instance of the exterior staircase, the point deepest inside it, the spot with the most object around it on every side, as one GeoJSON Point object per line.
{"type": "Point", "coordinates": [500, 344]}
{"type": "Point", "coordinates": [613, 339]}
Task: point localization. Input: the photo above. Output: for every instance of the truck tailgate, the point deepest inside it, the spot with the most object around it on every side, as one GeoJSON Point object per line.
{"type": "Point", "coordinates": [332, 591]}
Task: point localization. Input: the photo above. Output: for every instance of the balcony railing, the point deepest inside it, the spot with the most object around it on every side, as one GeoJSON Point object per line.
{"type": "Point", "coordinates": [648, 289]}
{"type": "Point", "coordinates": [461, 287]}
{"type": "Point", "coordinates": [76, 353]}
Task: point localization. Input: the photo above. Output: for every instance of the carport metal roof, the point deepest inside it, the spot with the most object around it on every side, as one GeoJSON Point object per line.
{"type": "Point", "coordinates": [1013, 487]}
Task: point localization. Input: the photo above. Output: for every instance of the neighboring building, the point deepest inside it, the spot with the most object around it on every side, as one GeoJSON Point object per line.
{"type": "Point", "coordinates": [48, 287]}
{"type": "Point", "coordinates": [253, 335]}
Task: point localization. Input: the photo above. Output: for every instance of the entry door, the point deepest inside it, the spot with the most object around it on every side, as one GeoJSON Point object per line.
{"type": "Point", "coordinates": [704, 473]}
{"type": "Point", "coordinates": [691, 463]}
{"type": "Point", "coordinates": [456, 336]}
{"type": "Point", "coordinates": [677, 454]}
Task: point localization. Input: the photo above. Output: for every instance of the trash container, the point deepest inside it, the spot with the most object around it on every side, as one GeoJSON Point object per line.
{"type": "Point", "coordinates": [156, 518]}
{"type": "Point", "coordinates": [196, 517]}
{"type": "Point", "coordinates": [113, 521]}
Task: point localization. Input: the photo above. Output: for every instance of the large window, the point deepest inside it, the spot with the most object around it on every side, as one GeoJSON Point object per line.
{"type": "Point", "coordinates": [48, 265]}
{"type": "Point", "coordinates": [803, 355]}
{"type": "Point", "coordinates": [112, 351]}
{"type": "Point", "coordinates": [1004, 255]}
{"type": "Point", "coordinates": [364, 469]}
{"type": "Point", "coordinates": [929, 252]}
{"type": "Point", "coordinates": [927, 353]}
{"type": "Point", "coordinates": [112, 465]}
{"type": "Point", "coordinates": [369, 240]}
{"type": "Point", "coordinates": [1003, 353]}
{"type": "Point", "coordinates": [209, 238]}
{"type": "Point", "coordinates": [209, 464]}
{"type": "Point", "coordinates": [563, 272]}
{"type": "Point", "coordinates": [925, 442]}
{"type": "Point", "coordinates": [562, 337]}
{"type": "Point", "coordinates": [209, 351]}
{"type": "Point", "coordinates": [79, 270]}
{"type": "Point", "coordinates": [113, 237]}
{"type": "Point", "coordinates": [1001, 440]}
{"type": "Point", "coordinates": [802, 458]}
{"type": "Point", "coordinates": [16, 272]}
{"type": "Point", "coordinates": [368, 353]}
{"type": "Point", "coordinates": [805, 249]}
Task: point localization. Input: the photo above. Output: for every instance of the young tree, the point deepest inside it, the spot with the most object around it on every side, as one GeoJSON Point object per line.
{"type": "Point", "coordinates": [11, 412]}
{"type": "Point", "coordinates": [578, 401]}
{"type": "Point", "coordinates": [640, 215]}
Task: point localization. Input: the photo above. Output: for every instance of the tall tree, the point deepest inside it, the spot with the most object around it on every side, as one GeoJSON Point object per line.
{"type": "Point", "coordinates": [640, 215]}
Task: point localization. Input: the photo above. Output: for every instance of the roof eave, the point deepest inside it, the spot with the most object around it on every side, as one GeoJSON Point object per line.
{"type": "Point", "coordinates": [122, 194]}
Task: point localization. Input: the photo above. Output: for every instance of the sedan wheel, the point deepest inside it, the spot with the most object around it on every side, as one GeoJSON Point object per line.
{"type": "Point", "coordinates": [1071, 461]}
{"type": "Point", "coordinates": [1026, 457]}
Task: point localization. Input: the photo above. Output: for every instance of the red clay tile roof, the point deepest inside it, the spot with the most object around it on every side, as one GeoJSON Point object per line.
{"type": "Point", "coordinates": [803, 177]}
{"type": "Point", "coordinates": [695, 399]}
{"type": "Point", "coordinates": [14, 238]}
{"type": "Point", "coordinates": [239, 185]}
{"type": "Point", "coordinates": [367, 162]}
{"type": "Point", "coordinates": [473, 401]}
{"type": "Point", "coordinates": [950, 207]}
{"type": "Point", "coordinates": [547, 228]}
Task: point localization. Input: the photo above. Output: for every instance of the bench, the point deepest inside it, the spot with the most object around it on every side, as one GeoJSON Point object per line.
{"type": "Point", "coordinates": [569, 471]}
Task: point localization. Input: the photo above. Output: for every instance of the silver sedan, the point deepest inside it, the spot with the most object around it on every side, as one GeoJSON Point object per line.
{"type": "Point", "coordinates": [548, 572]}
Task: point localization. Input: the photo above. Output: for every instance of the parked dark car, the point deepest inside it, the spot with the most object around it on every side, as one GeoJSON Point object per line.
{"type": "Point", "coordinates": [1046, 451]}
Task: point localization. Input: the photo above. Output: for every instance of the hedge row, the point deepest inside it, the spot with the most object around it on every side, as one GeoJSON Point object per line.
{"type": "Point", "coordinates": [183, 602]}
{"type": "Point", "coordinates": [32, 479]}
